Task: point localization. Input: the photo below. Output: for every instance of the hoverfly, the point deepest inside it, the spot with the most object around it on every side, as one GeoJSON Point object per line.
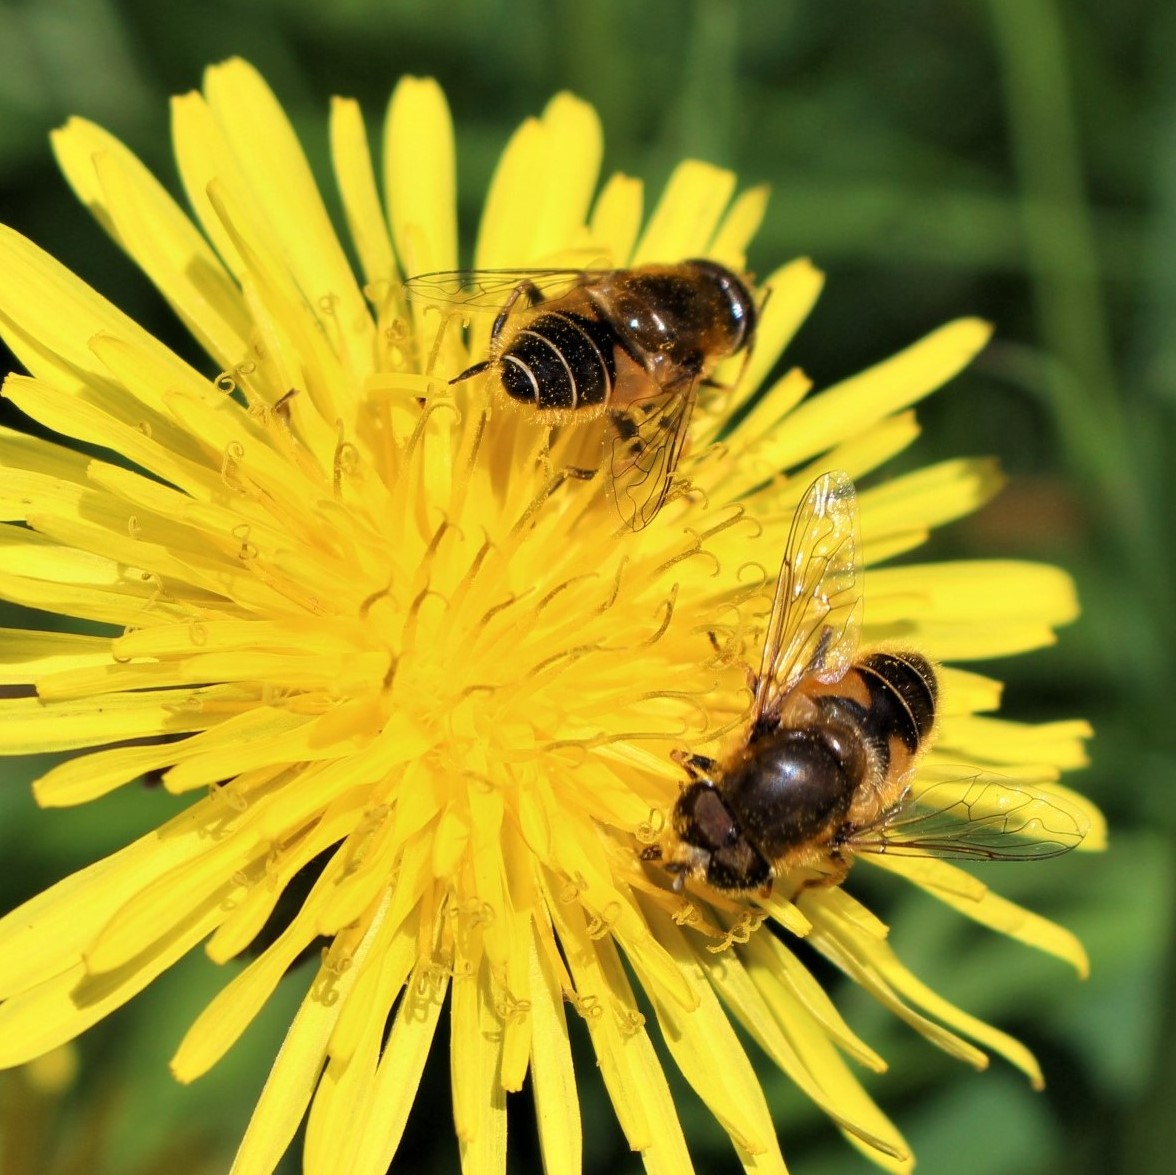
{"type": "Point", "coordinates": [629, 345]}
{"type": "Point", "coordinates": [825, 764]}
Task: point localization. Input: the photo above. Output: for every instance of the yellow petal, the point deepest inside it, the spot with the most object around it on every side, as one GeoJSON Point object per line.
{"type": "Point", "coordinates": [915, 990]}
{"type": "Point", "coordinates": [709, 1054]}
{"type": "Point", "coordinates": [577, 847]}
{"type": "Point", "coordinates": [628, 1064]}
{"type": "Point", "coordinates": [292, 1080]}
{"type": "Point", "coordinates": [512, 942]}
{"type": "Point", "coordinates": [399, 1073]}
{"type": "Point", "coordinates": [973, 609]}
{"type": "Point", "coordinates": [864, 454]}
{"type": "Point", "coordinates": [929, 497]}
{"type": "Point", "coordinates": [865, 959]}
{"type": "Point", "coordinates": [342, 1100]}
{"type": "Point", "coordinates": [104, 602]}
{"type": "Point", "coordinates": [339, 1124]}
{"type": "Point", "coordinates": [947, 882]}
{"type": "Point", "coordinates": [86, 777]}
{"type": "Point", "coordinates": [475, 1059]}
{"type": "Point", "coordinates": [616, 218]}
{"type": "Point", "coordinates": [790, 294]}
{"type": "Point", "coordinates": [33, 471]}
{"type": "Point", "coordinates": [419, 177]}
{"type": "Point", "coordinates": [878, 391]}
{"type": "Point", "coordinates": [1095, 840]}
{"type": "Point", "coordinates": [282, 190]}
{"type": "Point", "coordinates": [801, 1046]}
{"type": "Point", "coordinates": [169, 899]}
{"type": "Point", "coordinates": [557, 1106]}
{"type": "Point", "coordinates": [394, 958]}
{"type": "Point", "coordinates": [1038, 750]}
{"type": "Point", "coordinates": [687, 214]}
{"type": "Point", "coordinates": [29, 726]}
{"type": "Point", "coordinates": [203, 155]}
{"type": "Point", "coordinates": [113, 530]}
{"type": "Point", "coordinates": [352, 160]}
{"type": "Point", "coordinates": [767, 956]}
{"type": "Point", "coordinates": [40, 1018]}
{"type": "Point", "coordinates": [136, 210]}
{"type": "Point", "coordinates": [320, 345]}
{"type": "Point", "coordinates": [43, 938]}
{"type": "Point", "coordinates": [48, 316]}
{"type": "Point", "coordinates": [741, 223]}
{"type": "Point", "coordinates": [117, 423]}
{"type": "Point", "coordinates": [964, 692]}
{"type": "Point", "coordinates": [539, 197]}
{"type": "Point", "coordinates": [233, 1009]}
{"type": "Point", "coordinates": [26, 654]}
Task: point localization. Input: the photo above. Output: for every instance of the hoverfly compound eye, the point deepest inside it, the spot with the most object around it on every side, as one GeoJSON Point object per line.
{"type": "Point", "coordinates": [742, 316]}
{"type": "Point", "coordinates": [743, 310]}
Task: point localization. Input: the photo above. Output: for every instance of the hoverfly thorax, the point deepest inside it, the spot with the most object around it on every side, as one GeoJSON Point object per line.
{"type": "Point", "coordinates": [682, 318]}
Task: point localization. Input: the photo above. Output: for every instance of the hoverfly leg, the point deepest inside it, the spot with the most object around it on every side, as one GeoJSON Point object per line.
{"type": "Point", "coordinates": [897, 807]}
{"type": "Point", "coordinates": [534, 294]}
{"type": "Point", "coordinates": [836, 871]}
{"type": "Point", "coordinates": [503, 315]}
{"type": "Point", "coordinates": [525, 288]}
{"type": "Point", "coordinates": [698, 767]}
{"type": "Point", "coordinates": [470, 372]}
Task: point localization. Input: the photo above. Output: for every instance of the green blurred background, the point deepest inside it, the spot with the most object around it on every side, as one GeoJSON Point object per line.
{"type": "Point", "coordinates": [1014, 159]}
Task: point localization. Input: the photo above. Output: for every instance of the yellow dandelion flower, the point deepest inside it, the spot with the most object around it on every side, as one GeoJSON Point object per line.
{"type": "Point", "coordinates": [362, 619]}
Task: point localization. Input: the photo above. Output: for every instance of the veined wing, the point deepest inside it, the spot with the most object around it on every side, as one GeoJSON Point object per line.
{"type": "Point", "coordinates": [649, 436]}
{"type": "Point", "coordinates": [977, 818]}
{"type": "Point", "coordinates": [816, 614]}
{"type": "Point", "coordinates": [490, 289]}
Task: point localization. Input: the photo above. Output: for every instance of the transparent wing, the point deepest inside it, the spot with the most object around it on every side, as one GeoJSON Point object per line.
{"type": "Point", "coordinates": [489, 289]}
{"type": "Point", "coordinates": [817, 609]}
{"type": "Point", "coordinates": [649, 435]}
{"type": "Point", "coordinates": [979, 818]}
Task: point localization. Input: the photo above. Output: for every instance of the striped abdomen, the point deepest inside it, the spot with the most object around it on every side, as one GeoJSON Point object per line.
{"type": "Point", "coordinates": [903, 692]}
{"type": "Point", "coordinates": [560, 361]}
